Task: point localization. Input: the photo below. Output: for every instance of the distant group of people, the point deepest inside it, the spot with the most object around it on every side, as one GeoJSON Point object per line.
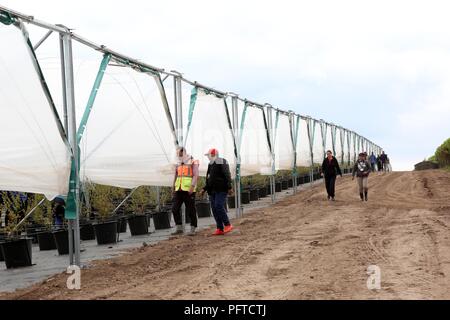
{"type": "Point", "coordinates": [380, 162]}
{"type": "Point", "coordinates": [361, 169]}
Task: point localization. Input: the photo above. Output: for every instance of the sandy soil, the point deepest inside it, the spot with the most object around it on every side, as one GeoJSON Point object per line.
{"type": "Point", "coordinates": [304, 247]}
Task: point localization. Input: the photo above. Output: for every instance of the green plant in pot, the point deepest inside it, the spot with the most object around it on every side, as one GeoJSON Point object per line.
{"type": "Point", "coordinates": [14, 209]}
{"type": "Point", "coordinates": [139, 204]}
{"type": "Point", "coordinates": [16, 249]}
{"type": "Point", "coordinates": [42, 214]}
{"type": "Point", "coordinates": [140, 200]}
{"type": "Point", "coordinates": [102, 199]}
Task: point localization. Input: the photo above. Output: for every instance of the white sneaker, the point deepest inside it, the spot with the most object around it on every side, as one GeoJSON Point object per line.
{"type": "Point", "coordinates": [193, 231]}
{"type": "Point", "coordinates": [179, 230]}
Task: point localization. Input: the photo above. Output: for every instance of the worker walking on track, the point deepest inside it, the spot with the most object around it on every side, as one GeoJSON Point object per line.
{"type": "Point", "coordinates": [361, 170]}
{"type": "Point", "coordinates": [218, 186]}
{"type": "Point", "coordinates": [330, 169]}
{"type": "Point", "coordinates": [185, 183]}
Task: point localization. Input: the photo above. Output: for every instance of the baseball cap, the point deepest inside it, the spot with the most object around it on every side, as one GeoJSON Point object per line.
{"type": "Point", "coordinates": [212, 152]}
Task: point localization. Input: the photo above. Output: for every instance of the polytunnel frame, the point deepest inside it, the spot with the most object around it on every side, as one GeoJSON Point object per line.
{"type": "Point", "coordinates": [66, 37]}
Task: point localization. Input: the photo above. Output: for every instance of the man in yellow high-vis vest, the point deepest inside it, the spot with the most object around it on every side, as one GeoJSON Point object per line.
{"type": "Point", "coordinates": [185, 185]}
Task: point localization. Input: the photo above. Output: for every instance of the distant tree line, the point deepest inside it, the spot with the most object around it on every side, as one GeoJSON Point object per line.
{"type": "Point", "coordinates": [442, 154]}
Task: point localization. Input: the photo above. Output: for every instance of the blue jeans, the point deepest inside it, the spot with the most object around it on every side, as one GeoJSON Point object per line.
{"type": "Point", "coordinates": [218, 208]}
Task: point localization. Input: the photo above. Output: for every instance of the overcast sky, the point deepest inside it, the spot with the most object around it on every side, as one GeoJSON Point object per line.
{"type": "Point", "coordinates": [380, 68]}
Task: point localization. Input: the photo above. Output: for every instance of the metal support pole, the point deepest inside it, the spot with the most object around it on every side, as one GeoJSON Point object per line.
{"type": "Point", "coordinates": [72, 130]}
{"type": "Point", "coordinates": [271, 137]}
{"type": "Point", "coordinates": [237, 139]}
{"type": "Point", "coordinates": [293, 124]}
{"type": "Point", "coordinates": [311, 127]}
{"type": "Point", "coordinates": [66, 125]}
{"type": "Point", "coordinates": [124, 200]}
{"type": "Point", "coordinates": [178, 103]}
{"type": "Point", "coordinates": [38, 44]}
{"type": "Point", "coordinates": [323, 130]}
{"type": "Point", "coordinates": [28, 214]}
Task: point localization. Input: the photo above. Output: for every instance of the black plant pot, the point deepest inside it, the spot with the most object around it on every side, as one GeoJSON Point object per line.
{"type": "Point", "coordinates": [204, 208]}
{"type": "Point", "coordinates": [106, 232]}
{"type": "Point", "coordinates": [17, 253]}
{"type": "Point", "coordinates": [290, 183]}
{"type": "Point", "coordinates": [62, 241]}
{"type": "Point", "coordinates": [268, 189]}
{"type": "Point", "coordinates": [46, 241]}
{"type": "Point", "coordinates": [122, 225]}
{"type": "Point", "coordinates": [87, 232]}
{"type": "Point", "coordinates": [262, 192]}
{"type": "Point", "coordinates": [245, 197]}
{"type": "Point", "coordinates": [231, 202]}
{"type": "Point", "coordinates": [254, 194]}
{"type": "Point", "coordinates": [138, 225]}
{"type": "Point", "coordinates": [307, 179]}
{"type": "Point", "coordinates": [278, 187]}
{"type": "Point", "coordinates": [161, 220]}
{"type": "Point", "coordinates": [284, 184]}
{"type": "Point", "coordinates": [32, 230]}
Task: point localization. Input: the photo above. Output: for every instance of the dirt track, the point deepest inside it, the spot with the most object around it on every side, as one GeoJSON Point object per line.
{"type": "Point", "coordinates": [304, 247]}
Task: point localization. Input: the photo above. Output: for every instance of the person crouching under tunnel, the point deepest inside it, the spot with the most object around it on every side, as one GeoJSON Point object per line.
{"type": "Point", "coordinates": [185, 183]}
{"type": "Point", "coordinates": [362, 170]}
{"type": "Point", "coordinates": [330, 169]}
{"type": "Point", "coordinates": [218, 186]}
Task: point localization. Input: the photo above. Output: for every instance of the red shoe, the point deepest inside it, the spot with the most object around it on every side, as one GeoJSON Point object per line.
{"type": "Point", "coordinates": [228, 228]}
{"type": "Point", "coordinates": [218, 232]}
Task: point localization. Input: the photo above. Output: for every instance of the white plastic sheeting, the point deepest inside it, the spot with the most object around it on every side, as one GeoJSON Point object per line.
{"type": "Point", "coordinates": [85, 67]}
{"type": "Point", "coordinates": [34, 157]}
{"type": "Point", "coordinates": [338, 146]}
{"type": "Point", "coordinates": [318, 152]}
{"type": "Point", "coordinates": [255, 152]}
{"type": "Point", "coordinates": [210, 129]}
{"type": "Point", "coordinates": [284, 151]}
{"type": "Point", "coordinates": [329, 141]}
{"type": "Point", "coordinates": [186, 90]}
{"type": "Point", "coordinates": [128, 141]}
{"type": "Point", "coordinates": [303, 151]}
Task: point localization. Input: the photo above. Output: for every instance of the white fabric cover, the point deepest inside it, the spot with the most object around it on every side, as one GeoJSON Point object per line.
{"type": "Point", "coordinates": [210, 129]}
{"type": "Point", "coordinates": [255, 152]}
{"type": "Point", "coordinates": [303, 151]}
{"type": "Point", "coordinates": [128, 141]}
{"type": "Point", "coordinates": [318, 151]}
{"type": "Point", "coordinates": [338, 146]}
{"type": "Point", "coordinates": [284, 151]}
{"type": "Point", "coordinates": [34, 157]}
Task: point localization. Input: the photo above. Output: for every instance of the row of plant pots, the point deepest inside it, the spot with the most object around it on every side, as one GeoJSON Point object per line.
{"type": "Point", "coordinates": [17, 252]}
{"type": "Point", "coordinates": [249, 194]}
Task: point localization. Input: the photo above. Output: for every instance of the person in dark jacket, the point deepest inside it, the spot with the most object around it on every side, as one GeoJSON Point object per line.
{"type": "Point", "coordinates": [330, 169]}
{"type": "Point", "coordinates": [218, 186]}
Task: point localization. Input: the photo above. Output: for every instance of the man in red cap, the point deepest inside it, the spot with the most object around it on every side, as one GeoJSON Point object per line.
{"type": "Point", "coordinates": [218, 185]}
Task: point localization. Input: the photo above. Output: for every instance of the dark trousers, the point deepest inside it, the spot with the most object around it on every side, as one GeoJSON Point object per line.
{"type": "Point", "coordinates": [218, 200]}
{"type": "Point", "coordinates": [329, 184]}
{"type": "Point", "coordinates": [179, 198]}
